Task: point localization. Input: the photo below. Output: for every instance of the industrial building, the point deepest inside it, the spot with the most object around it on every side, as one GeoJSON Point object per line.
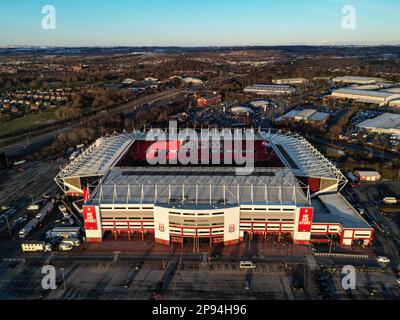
{"type": "Point", "coordinates": [394, 103]}
{"type": "Point", "coordinates": [202, 102]}
{"type": "Point", "coordinates": [242, 110]}
{"type": "Point", "coordinates": [192, 81]}
{"type": "Point", "coordinates": [306, 115]}
{"type": "Point", "coordinates": [293, 190]}
{"type": "Point", "coordinates": [270, 90]}
{"type": "Point", "coordinates": [366, 96]}
{"type": "Point", "coordinates": [264, 104]}
{"type": "Point", "coordinates": [357, 80]}
{"type": "Point", "coordinates": [290, 81]}
{"type": "Point", "coordinates": [387, 123]}
{"type": "Point", "coordinates": [368, 176]}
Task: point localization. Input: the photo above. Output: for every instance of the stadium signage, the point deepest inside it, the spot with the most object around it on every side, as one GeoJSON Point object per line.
{"type": "Point", "coordinates": [89, 215]}
{"type": "Point", "coordinates": [305, 219]}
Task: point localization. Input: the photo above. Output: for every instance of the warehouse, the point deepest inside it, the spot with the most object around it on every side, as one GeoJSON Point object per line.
{"type": "Point", "coordinates": [290, 81]}
{"type": "Point", "coordinates": [306, 115]}
{"type": "Point", "coordinates": [367, 96]}
{"type": "Point", "coordinates": [357, 80]}
{"type": "Point", "coordinates": [172, 203]}
{"type": "Point", "coordinates": [387, 123]}
{"type": "Point", "coordinates": [368, 176]}
{"type": "Point", "coordinates": [270, 90]}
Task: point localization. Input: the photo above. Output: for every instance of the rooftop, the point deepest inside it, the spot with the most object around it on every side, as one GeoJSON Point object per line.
{"type": "Point", "coordinates": [367, 93]}
{"type": "Point", "coordinates": [357, 79]}
{"type": "Point", "coordinates": [297, 153]}
{"type": "Point", "coordinates": [384, 121]}
{"type": "Point", "coordinates": [333, 208]}
{"type": "Point", "coordinates": [199, 185]}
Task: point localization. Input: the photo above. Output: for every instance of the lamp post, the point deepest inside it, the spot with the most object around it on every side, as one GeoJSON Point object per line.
{"type": "Point", "coordinates": [62, 273]}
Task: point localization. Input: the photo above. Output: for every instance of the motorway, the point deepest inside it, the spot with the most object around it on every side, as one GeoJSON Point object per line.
{"type": "Point", "coordinates": [29, 146]}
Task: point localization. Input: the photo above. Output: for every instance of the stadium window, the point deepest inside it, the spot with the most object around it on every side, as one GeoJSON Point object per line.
{"type": "Point", "coordinates": [218, 214]}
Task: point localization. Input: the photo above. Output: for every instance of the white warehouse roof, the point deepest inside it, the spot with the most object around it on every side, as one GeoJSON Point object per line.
{"type": "Point", "coordinates": [385, 123]}
{"type": "Point", "coordinates": [356, 79]}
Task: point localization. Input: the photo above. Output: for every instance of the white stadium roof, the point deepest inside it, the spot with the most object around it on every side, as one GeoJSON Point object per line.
{"type": "Point", "coordinates": [198, 185]}
{"type": "Point", "coordinates": [303, 158]}
{"type": "Point", "coordinates": [297, 154]}
{"type": "Point", "coordinates": [99, 157]}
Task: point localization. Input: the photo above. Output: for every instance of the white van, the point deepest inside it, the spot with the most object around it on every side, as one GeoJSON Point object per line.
{"type": "Point", "coordinates": [383, 260]}
{"type": "Point", "coordinates": [247, 265]}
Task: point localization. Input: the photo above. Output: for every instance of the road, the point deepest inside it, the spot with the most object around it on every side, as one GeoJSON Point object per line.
{"type": "Point", "coordinates": [26, 147]}
{"type": "Point", "coordinates": [353, 147]}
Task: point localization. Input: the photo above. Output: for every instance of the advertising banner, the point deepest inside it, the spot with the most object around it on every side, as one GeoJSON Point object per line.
{"type": "Point", "coordinates": [89, 215]}
{"type": "Point", "coordinates": [305, 219]}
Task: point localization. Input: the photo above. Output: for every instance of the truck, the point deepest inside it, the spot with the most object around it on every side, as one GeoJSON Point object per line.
{"type": "Point", "coordinates": [25, 231]}
{"type": "Point", "coordinates": [72, 241]}
{"type": "Point", "coordinates": [45, 211]}
{"type": "Point", "coordinates": [65, 246]}
{"type": "Point", "coordinates": [74, 155]}
{"type": "Point", "coordinates": [64, 211]}
{"type": "Point", "coordinates": [33, 207]}
{"type": "Point", "coordinates": [389, 200]}
{"type": "Point", "coordinates": [62, 208]}
{"type": "Point", "coordinates": [35, 246]}
{"type": "Point", "coordinates": [64, 233]}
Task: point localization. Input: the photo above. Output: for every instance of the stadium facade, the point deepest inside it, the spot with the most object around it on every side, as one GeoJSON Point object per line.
{"type": "Point", "coordinates": [293, 190]}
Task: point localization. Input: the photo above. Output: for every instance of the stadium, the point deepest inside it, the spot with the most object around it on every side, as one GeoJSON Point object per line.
{"type": "Point", "coordinates": [293, 191]}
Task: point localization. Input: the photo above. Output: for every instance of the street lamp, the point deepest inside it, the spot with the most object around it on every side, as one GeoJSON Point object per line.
{"type": "Point", "coordinates": [8, 226]}
{"type": "Point", "coordinates": [62, 273]}
{"type": "Point", "coordinates": [330, 246]}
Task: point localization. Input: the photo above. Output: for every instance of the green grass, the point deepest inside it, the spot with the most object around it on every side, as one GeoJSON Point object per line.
{"type": "Point", "coordinates": [30, 121]}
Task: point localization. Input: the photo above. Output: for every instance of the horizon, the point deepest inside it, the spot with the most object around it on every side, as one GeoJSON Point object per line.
{"type": "Point", "coordinates": [210, 23]}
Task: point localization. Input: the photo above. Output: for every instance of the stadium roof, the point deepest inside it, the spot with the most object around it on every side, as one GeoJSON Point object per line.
{"type": "Point", "coordinates": [200, 185]}
{"type": "Point", "coordinates": [99, 157]}
{"type": "Point", "coordinates": [333, 208]}
{"type": "Point", "coordinates": [298, 154]}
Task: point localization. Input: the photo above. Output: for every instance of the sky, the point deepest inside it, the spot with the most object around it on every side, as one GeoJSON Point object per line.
{"type": "Point", "coordinates": [199, 22]}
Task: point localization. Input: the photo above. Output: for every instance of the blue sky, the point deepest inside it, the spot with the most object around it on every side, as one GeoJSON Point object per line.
{"type": "Point", "coordinates": [198, 22]}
